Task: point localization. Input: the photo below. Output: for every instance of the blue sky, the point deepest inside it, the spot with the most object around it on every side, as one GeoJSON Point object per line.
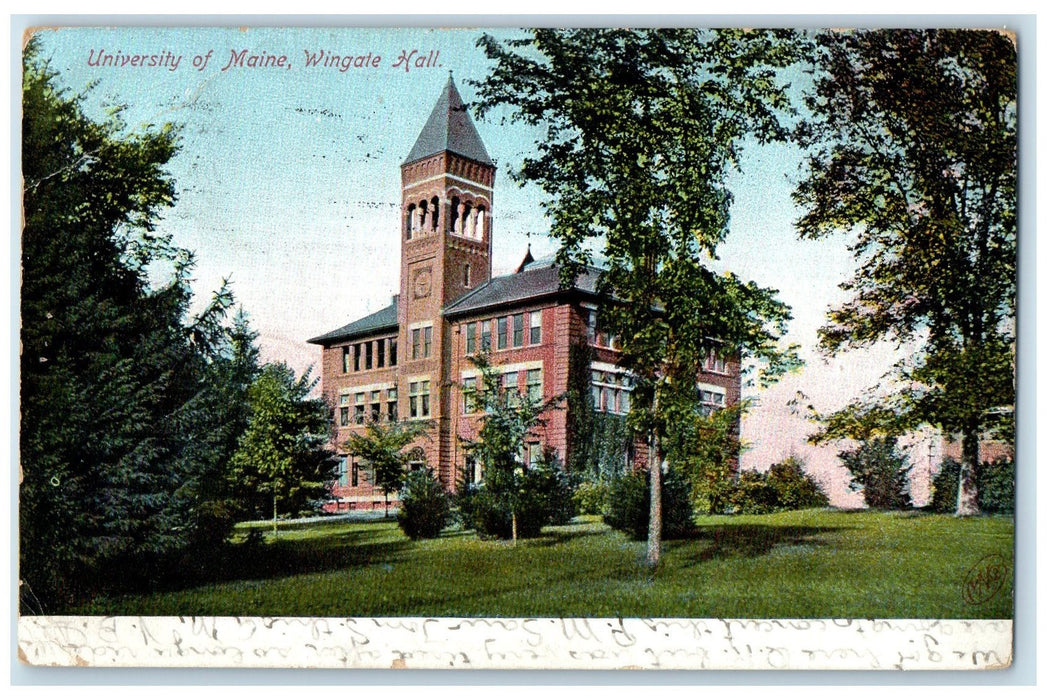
{"type": "Point", "coordinates": [289, 182]}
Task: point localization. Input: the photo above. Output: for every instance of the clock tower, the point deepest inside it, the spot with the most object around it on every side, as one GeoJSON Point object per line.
{"type": "Point", "coordinates": [445, 243]}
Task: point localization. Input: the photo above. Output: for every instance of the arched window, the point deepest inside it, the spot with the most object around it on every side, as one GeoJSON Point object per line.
{"type": "Point", "coordinates": [409, 221]}
{"type": "Point", "coordinates": [435, 207]}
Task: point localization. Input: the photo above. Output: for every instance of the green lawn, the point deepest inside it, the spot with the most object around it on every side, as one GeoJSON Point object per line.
{"type": "Point", "coordinates": [815, 563]}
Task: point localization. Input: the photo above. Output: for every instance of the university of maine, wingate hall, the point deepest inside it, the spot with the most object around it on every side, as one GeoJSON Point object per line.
{"type": "Point", "coordinates": [410, 360]}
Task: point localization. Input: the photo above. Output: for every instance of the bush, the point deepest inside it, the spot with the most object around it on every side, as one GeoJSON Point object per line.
{"type": "Point", "coordinates": [591, 498]}
{"type": "Point", "coordinates": [544, 498]}
{"type": "Point", "coordinates": [793, 487]}
{"type": "Point", "coordinates": [629, 506]}
{"type": "Point", "coordinates": [425, 508]}
{"type": "Point", "coordinates": [880, 472]}
{"type": "Point", "coordinates": [995, 482]}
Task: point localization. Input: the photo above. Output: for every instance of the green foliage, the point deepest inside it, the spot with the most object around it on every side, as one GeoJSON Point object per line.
{"type": "Point", "coordinates": [591, 498]}
{"type": "Point", "coordinates": [543, 497]}
{"type": "Point", "coordinates": [425, 507]}
{"type": "Point", "coordinates": [912, 147]}
{"type": "Point", "coordinates": [629, 506]}
{"type": "Point", "coordinates": [528, 497]}
{"type": "Point", "coordinates": [995, 482]}
{"type": "Point", "coordinates": [381, 448]}
{"type": "Point", "coordinates": [706, 448]}
{"type": "Point", "coordinates": [129, 407]}
{"type": "Point", "coordinates": [785, 486]}
{"type": "Point", "coordinates": [638, 132]}
{"type": "Point", "coordinates": [880, 472]}
{"type": "Point", "coordinates": [282, 461]}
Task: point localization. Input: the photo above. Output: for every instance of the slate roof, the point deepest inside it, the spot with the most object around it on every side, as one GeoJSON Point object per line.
{"type": "Point", "coordinates": [450, 128]}
{"type": "Point", "coordinates": [534, 279]}
{"type": "Point", "coordinates": [381, 320]}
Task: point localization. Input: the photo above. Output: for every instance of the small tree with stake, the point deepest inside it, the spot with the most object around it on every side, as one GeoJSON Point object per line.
{"type": "Point", "coordinates": [507, 421]}
{"type": "Point", "coordinates": [381, 447]}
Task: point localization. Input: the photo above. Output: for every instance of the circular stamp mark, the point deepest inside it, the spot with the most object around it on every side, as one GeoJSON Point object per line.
{"type": "Point", "coordinates": [985, 579]}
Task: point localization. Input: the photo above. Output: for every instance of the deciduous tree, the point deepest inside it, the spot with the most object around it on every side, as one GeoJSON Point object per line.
{"type": "Point", "coordinates": [638, 132]}
{"type": "Point", "coordinates": [282, 453]}
{"type": "Point", "coordinates": [913, 150]}
{"type": "Point", "coordinates": [381, 448]}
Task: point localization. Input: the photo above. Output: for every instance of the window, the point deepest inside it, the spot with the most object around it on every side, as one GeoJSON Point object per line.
{"type": "Point", "coordinates": [391, 412]}
{"type": "Point", "coordinates": [590, 327]}
{"type": "Point", "coordinates": [512, 388]}
{"type": "Point", "coordinates": [468, 395]}
{"type": "Point", "coordinates": [392, 352]}
{"type": "Point", "coordinates": [715, 363]}
{"type": "Point", "coordinates": [534, 384]}
{"type": "Point", "coordinates": [381, 352]}
{"type": "Point", "coordinates": [536, 327]}
{"type": "Point", "coordinates": [368, 356]}
{"type": "Point", "coordinates": [611, 391]}
{"type": "Point", "coordinates": [518, 330]}
{"type": "Point", "coordinates": [470, 339]}
{"type": "Point", "coordinates": [356, 357]}
{"type": "Point", "coordinates": [347, 359]}
{"type": "Point", "coordinates": [421, 342]}
{"type": "Point", "coordinates": [532, 454]}
{"type": "Point", "coordinates": [472, 474]}
{"type": "Point", "coordinates": [503, 332]}
{"type": "Point", "coordinates": [376, 406]}
{"type": "Point", "coordinates": [467, 275]}
{"type": "Point", "coordinates": [419, 399]}
{"type": "Point", "coordinates": [343, 471]}
{"type": "Point", "coordinates": [343, 410]}
{"type": "Point", "coordinates": [711, 401]}
{"type": "Point", "coordinates": [358, 415]}
{"type": "Point", "coordinates": [356, 473]}
{"type": "Point", "coordinates": [485, 336]}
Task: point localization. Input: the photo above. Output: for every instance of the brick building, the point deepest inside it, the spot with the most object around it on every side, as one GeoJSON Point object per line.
{"type": "Point", "coordinates": [409, 361]}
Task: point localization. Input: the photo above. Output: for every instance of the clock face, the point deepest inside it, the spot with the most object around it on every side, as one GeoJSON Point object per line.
{"type": "Point", "coordinates": [423, 283]}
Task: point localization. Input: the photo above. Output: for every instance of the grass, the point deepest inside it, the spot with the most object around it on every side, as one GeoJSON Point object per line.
{"type": "Point", "coordinates": [814, 563]}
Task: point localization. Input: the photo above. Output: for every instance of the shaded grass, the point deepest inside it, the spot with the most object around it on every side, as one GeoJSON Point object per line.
{"type": "Point", "coordinates": [815, 563]}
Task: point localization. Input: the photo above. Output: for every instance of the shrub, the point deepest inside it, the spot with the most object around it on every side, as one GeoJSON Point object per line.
{"type": "Point", "coordinates": [752, 495]}
{"type": "Point", "coordinates": [793, 487]}
{"type": "Point", "coordinates": [881, 472]}
{"type": "Point", "coordinates": [544, 498]}
{"type": "Point", "coordinates": [591, 498]}
{"type": "Point", "coordinates": [424, 506]}
{"type": "Point", "coordinates": [995, 482]}
{"type": "Point", "coordinates": [629, 506]}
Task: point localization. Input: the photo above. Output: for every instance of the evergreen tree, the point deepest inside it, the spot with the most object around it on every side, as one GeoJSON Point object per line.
{"type": "Point", "coordinates": [108, 367]}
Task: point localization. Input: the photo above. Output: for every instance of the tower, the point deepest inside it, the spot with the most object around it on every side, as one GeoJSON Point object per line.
{"type": "Point", "coordinates": [445, 244]}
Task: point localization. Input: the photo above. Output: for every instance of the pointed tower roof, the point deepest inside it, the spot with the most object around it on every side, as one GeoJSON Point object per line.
{"type": "Point", "coordinates": [449, 128]}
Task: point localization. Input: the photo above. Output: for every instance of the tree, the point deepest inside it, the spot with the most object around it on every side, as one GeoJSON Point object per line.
{"type": "Point", "coordinates": [113, 387]}
{"type": "Point", "coordinates": [639, 130]}
{"type": "Point", "coordinates": [913, 149]}
{"type": "Point", "coordinates": [880, 472]}
{"type": "Point", "coordinates": [508, 419]}
{"type": "Point", "coordinates": [382, 449]}
{"type": "Point", "coordinates": [281, 456]}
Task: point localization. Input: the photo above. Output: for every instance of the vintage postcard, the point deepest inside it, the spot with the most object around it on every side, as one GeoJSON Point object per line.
{"type": "Point", "coordinates": [678, 348]}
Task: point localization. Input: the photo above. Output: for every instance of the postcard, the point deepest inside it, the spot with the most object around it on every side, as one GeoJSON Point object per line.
{"type": "Point", "coordinates": [678, 348]}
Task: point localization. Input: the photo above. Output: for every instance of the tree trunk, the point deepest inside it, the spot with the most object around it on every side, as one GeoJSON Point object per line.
{"type": "Point", "coordinates": [654, 528]}
{"type": "Point", "coordinates": [966, 486]}
{"type": "Point", "coordinates": [274, 512]}
{"type": "Point", "coordinates": [514, 527]}
{"type": "Point", "coordinates": [386, 504]}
